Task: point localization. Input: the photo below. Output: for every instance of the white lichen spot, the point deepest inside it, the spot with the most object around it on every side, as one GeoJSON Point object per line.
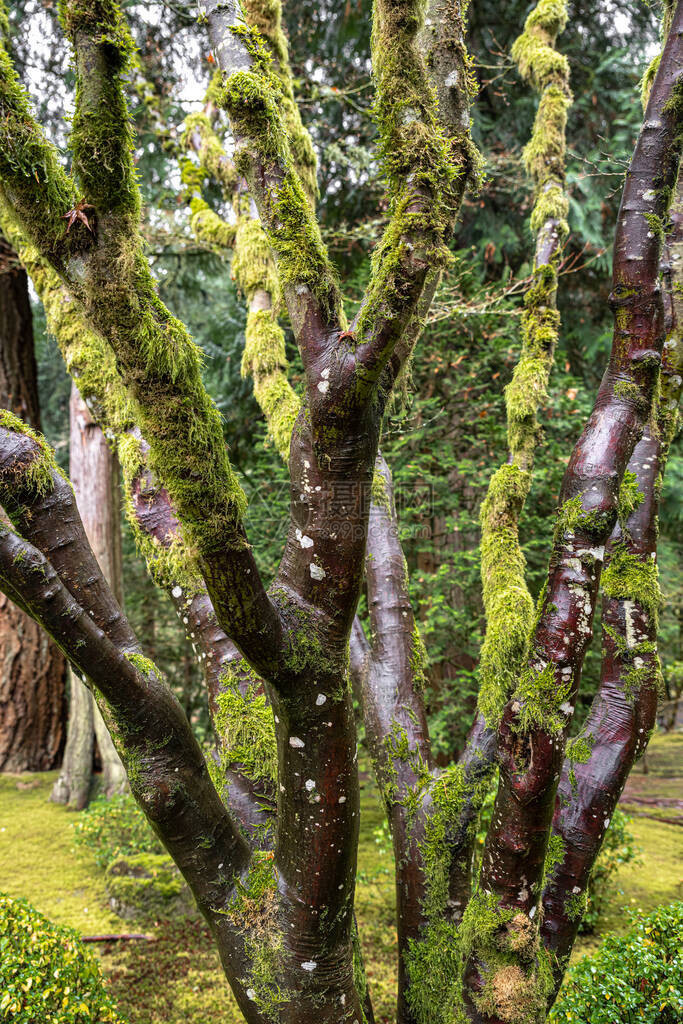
{"type": "Point", "coordinates": [177, 591]}
{"type": "Point", "coordinates": [532, 912]}
{"type": "Point", "coordinates": [309, 784]}
{"type": "Point", "coordinates": [323, 386]}
{"type": "Point", "coordinates": [451, 79]}
{"type": "Point", "coordinates": [304, 540]}
{"type": "Point", "coordinates": [309, 965]}
{"type": "Point", "coordinates": [320, 699]}
{"type": "Point", "coordinates": [325, 374]}
{"type": "Point", "coordinates": [342, 799]}
{"type": "Point", "coordinates": [576, 890]}
{"type": "Point", "coordinates": [251, 994]}
{"type": "Point", "coordinates": [317, 571]}
{"type": "Point", "coordinates": [294, 741]}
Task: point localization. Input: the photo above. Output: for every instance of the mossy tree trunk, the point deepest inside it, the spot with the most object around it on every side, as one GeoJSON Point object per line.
{"type": "Point", "coordinates": [32, 669]}
{"type": "Point", "coordinates": [266, 832]}
{"type": "Point", "coordinates": [94, 473]}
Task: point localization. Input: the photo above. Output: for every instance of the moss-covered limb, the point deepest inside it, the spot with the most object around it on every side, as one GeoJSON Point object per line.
{"type": "Point", "coordinates": [167, 772]}
{"type": "Point", "coordinates": [649, 76]}
{"type": "Point", "coordinates": [253, 97]}
{"type": "Point", "coordinates": [624, 710]}
{"type": "Point", "coordinates": [533, 726]}
{"type": "Point", "coordinates": [427, 162]}
{"type": "Point", "coordinates": [266, 17]}
{"type": "Point", "coordinates": [40, 503]}
{"type": "Point", "coordinates": [507, 602]}
{"type": "Point", "coordinates": [199, 136]}
{"type": "Point", "coordinates": [101, 132]}
{"type": "Point", "coordinates": [32, 176]}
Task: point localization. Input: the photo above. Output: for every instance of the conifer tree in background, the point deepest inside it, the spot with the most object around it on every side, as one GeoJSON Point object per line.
{"type": "Point", "coordinates": [93, 471]}
{"type": "Point", "coordinates": [32, 668]}
{"type": "Point", "coordinates": [266, 833]}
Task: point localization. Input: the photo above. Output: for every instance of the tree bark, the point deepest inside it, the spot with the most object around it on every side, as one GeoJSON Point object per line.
{"type": "Point", "coordinates": [94, 474]}
{"type": "Point", "coordinates": [32, 669]}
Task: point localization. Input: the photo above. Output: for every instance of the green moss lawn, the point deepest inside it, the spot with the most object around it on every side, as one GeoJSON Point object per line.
{"type": "Point", "coordinates": [176, 978]}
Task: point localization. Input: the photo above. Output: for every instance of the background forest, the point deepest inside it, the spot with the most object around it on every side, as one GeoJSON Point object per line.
{"type": "Point", "coordinates": [446, 431]}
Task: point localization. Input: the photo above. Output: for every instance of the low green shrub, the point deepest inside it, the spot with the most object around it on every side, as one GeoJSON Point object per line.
{"type": "Point", "coordinates": [114, 827]}
{"type": "Point", "coordinates": [46, 973]}
{"type": "Point", "coordinates": [635, 979]}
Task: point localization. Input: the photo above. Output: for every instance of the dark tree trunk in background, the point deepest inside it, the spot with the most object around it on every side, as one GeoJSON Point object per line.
{"type": "Point", "coordinates": [93, 470]}
{"type": "Point", "coordinates": [32, 669]}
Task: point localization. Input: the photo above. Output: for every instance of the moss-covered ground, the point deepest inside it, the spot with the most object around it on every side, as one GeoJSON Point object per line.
{"type": "Point", "coordinates": [176, 978]}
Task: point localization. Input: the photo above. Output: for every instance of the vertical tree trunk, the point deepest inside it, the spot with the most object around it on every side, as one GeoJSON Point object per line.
{"type": "Point", "coordinates": [32, 669]}
{"type": "Point", "coordinates": [94, 473]}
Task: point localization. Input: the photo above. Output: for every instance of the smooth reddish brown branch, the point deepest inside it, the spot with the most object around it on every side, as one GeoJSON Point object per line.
{"type": "Point", "coordinates": [534, 722]}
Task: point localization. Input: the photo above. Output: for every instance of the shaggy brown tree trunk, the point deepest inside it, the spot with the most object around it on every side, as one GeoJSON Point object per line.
{"type": "Point", "coordinates": [32, 669]}
{"type": "Point", "coordinates": [94, 473]}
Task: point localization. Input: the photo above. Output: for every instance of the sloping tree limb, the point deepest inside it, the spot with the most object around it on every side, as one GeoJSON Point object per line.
{"type": "Point", "coordinates": [623, 713]}
{"type": "Point", "coordinates": [155, 526]}
{"type": "Point", "coordinates": [534, 722]}
{"type": "Point", "coordinates": [508, 605]}
{"type": "Point", "coordinates": [165, 766]}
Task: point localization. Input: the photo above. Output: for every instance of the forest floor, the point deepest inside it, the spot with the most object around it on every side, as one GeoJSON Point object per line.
{"type": "Point", "coordinates": [176, 979]}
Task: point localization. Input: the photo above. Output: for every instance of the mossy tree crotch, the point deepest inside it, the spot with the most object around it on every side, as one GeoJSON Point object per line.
{"type": "Point", "coordinates": [265, 831]}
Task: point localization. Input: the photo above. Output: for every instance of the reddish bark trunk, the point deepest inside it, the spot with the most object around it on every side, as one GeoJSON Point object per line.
{"type": "Point", "coordinates": [32, 669]}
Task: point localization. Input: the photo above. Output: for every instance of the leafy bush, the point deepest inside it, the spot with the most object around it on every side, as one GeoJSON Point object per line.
{"type": "Point", "coordinates": [46, 973]}
{"type": "Point", "coordinates": [618, 848]}
{"type": "Point", "coordinates": [115, 827]}
{"type": "Point", "coordinates": [636, 979]}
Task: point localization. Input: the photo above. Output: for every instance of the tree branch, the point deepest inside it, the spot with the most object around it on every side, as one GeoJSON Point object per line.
{"type": "Point", "coordinates": [534, 722]}
{"type": "Point", "coordinates": [623, 713]}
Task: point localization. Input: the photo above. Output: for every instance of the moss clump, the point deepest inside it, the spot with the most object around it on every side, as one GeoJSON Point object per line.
{"type": "Point", "coordinates": [244, 723]}
{"type": "Point", "coordinates": [254, 895]}
{"type": "Point", "coordinates": [629, 392]}
{"type": "Point", "coordinates": [208, 227]}
{"type": "Point", "coordinates": [628, 577]}
{"type": "Point", "coordinates": [35, 476]}
{"type": "Point", "coordinates": [101, 130]}
{"type": "Point", "coordinates": [448, 793]}
{"type": "Point", "coordinates": [576, 905]}
{"type": "Point", "coordinates": [29, 164]}
{"type": "Point", "coordinates": [253, 909]}
{"type": "Point", "coordinates": [507, 602]}
{"type": "Point", "coordinates": [419, 659]}
{"type": "Point", "coordinates": [572, 517]}
{"type": "Point", "coordinates": [433, 968]}
{"type": "Point", "coordinates": [630, 497]}
{"type": "Point", "coordinates": [545, 153]}
{"type": "Point", "coordinates": [144, 665]}
{"type": "Point", "coordinates": [534, 50]}
{"type": "Point", "coordinates": [252, 263]}
{"type": "Point", "coordinates": [265, 16]}
{"type": "Point", "coordinates": [540, 697]}
{"type": "Point", "coordinates": [578, 751]}
{"type": "Point", "coordinates": [554, 856]}
{"type": "Point", "coordinates": [507, 944]}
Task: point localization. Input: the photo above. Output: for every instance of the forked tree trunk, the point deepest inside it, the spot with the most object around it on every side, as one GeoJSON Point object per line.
{"type": "Point", "coordinates": [94, 474]}
{"type": "Point", "coordinates": [32, 669]}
